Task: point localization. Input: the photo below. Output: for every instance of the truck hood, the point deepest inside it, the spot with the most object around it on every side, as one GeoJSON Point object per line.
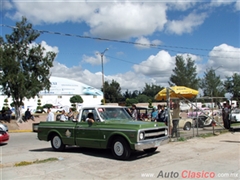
{"type": "Point", "coordinates": [139, 124]}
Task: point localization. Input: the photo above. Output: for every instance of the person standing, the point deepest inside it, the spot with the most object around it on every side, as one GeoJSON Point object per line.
{"type": "Point", "coordinates": [63, 116]}
{"type": "Point", "coordinates": [8, 114]}
{"type": "Point", "coordinates": [134, 112]}
{"type": "Point", "coordinates": [50, 116]}
{"type": "Point", "coordinates": [225, 114]}
{"type": "Point", "coordinates": [154, 114]}
{"type": "Point", "coordinates": [70, 114]}
{"type": "Point", "coordinates": [162, 114]}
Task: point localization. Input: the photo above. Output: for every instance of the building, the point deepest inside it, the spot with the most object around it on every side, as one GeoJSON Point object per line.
{"type": "Point", "coordinates": [62, 89]}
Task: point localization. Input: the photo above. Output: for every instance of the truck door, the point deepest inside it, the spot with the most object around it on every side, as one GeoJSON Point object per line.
{"type": "Point", "coordinates": [87, 134]}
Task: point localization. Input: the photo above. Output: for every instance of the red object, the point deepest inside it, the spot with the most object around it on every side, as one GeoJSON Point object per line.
{"type": "Point", "coordinates": [4, 136]}
{"type": "Point", "coordinates": [213, 123]}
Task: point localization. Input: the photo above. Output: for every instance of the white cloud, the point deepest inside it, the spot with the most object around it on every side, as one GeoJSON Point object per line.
{"type": "Point", "coordinates": [225, 56]}
{"type": "Point", "coordinates": [156, 65]}
{"type": "Point", "coordinates": [137, 19]}
{"type": "Point", "coordinates": [155, 70]}
{"type": "Point", "coordinates": [221, 2]}
{"type": "Point", "coordinates": [5, 5]}
{"type": "Point", "coordinates": [187, 24]}
{"type": "Point", "coordinates": [144, 43]}
{"type": "Point", "coordinates": [181, 5]}
{"type": "Point", "coordinates": [47, 47]}
{"type": "Point", "coordinates": [237, 5]}
{"type": "Point", "coordinates": [77, 73]}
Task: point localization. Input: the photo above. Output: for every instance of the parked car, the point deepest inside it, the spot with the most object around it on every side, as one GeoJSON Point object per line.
{"type": "Point", "coordinates": [3, 127]}
{"type": "Point", "coordinates": [235, 115]}
{"type": "Point", "coordinates": [144, 114]}
{"type": "Point", "coordinates": [4, 136]}
{"type": "Point", "coordinates": [185, 124]}
{"type": "Point", "coordinates": [108, 127]}
{"type": "Point", "coordinates": [207, 120]}
{"type": "Point", "coordinates": [198, 112]}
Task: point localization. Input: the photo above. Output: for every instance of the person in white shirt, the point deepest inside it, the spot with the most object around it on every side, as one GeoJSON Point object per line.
{"type": "Point", "coordinates": [64, 116]}
{"type": "Point", "coordinates": [134, 112]}
{"type": "Point", "coordinates": [50, 116]}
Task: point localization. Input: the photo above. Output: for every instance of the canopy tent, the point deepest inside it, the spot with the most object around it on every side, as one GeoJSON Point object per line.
{"type": "Point", "coordinates": [176, 92]}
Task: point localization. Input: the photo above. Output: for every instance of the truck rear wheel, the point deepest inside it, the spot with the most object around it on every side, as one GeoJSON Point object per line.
{"type": "Point", "coordinates": [57, 143]}
{"type": "Point", "coordinates": [120, 148]}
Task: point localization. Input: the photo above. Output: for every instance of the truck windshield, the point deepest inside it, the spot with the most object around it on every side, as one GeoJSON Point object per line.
{"type": "Point", "coordinates": [114, 114]}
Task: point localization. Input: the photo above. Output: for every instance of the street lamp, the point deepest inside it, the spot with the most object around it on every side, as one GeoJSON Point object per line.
{"type": "Point", "coordinates": [103, 74]}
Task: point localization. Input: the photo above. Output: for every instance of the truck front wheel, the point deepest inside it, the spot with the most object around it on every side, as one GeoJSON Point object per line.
{"type": "Point", "coordinates": [57, 143]}
{"type": "Point", "coordinates": [120, 148]}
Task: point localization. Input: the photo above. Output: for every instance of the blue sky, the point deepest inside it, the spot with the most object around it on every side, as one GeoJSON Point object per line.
{"type": "Point", "coordinates": [207, 31]}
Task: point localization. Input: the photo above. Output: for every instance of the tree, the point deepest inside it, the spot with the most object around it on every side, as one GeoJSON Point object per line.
{"type": "Point", "coordinates": [130, 102]}
{"type": "Point", "coordinates": [142, 98]}
{"type": "Point", "coordinates": [112, 92]}
{"type": "Point", "coordinates": [25, 65]}
{"type": "Point", "coordinates": [151, 91]}
{"type": "Point", "coordinates": [211, 84]}
{"type": "Point", "coordinates": [75, 99]}
{"type": "Point", "coordinates": [185, 73]}
{"type": "Point", "coordinates": [232, 85]}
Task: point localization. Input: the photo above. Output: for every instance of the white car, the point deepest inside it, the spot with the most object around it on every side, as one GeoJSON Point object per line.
{"type": "Point", "coordinates": [235, 115]}
{"type": "Point", "coordinates": [3, 127]}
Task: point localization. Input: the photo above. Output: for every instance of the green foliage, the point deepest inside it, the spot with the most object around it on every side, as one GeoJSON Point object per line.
{"type": "Point", "coordinates": [112, 92]}
{"type": "Point", "coordinates": [150, 103]}
{"type": "Point", "coordinates": [47, 106]}
{"type": "Point", "coordinates": [25, 163]}
{"type": "Point", "coordinates": [76, 99]}
{"type": "Point", "coordinates": [130, 102]}
{"type": "Point", "coordinates": [185, 73]}
{"type": "Point", "coordinates": [74, 109]}
{"type": "Point", "coordinates": [5, 103]}
{"type": "Point", "coordinates": [39, 102]}
{"type": "Point", "coordinates": [211, 84]}
{"type": "Point", "coordinates": [151, 90]}
{"type": "Point", "coordinates": [232, 85]}
{"type": "Point", "coordinates": [181, 139]}
{"type": "Point", "coordinates": [25, 66]}
{"type": "Point", "coordinates": [142, 98]}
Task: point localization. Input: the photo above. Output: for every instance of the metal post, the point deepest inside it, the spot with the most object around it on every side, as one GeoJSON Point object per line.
{"type": "Point", "coordinates": [169, 118]}
{"type": "Point", "coordinates": [103, 74]}
{"type": "Point", "coordinates": [102, 79]}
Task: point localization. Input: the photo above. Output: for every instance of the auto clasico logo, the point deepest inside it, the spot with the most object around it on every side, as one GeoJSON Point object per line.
{"type": "Point", "coordinates": [186, 174]}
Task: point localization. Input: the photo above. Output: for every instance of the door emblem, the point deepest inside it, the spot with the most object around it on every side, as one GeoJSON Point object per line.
{"type": "Point", "coordinates": [68, 133]}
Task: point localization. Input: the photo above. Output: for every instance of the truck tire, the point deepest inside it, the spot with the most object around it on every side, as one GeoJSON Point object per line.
{"type": "Point", "coordinates": [151, 150]}
{"type": "Point", "coordinates": [57, 143]}
{"type": "Point", "coordinates": [120, 148]}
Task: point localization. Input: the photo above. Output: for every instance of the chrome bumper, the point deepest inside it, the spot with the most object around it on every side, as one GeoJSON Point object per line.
{"type": "Point", "coordinates": [150, 143]}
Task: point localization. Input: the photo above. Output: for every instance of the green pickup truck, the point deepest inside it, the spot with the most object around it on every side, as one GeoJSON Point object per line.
{"type": "Point", "coordinates": [104, 127]}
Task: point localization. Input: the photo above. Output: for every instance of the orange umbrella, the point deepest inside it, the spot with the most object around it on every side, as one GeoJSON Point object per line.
{"type": "Point", "coordinates": [176, 92]}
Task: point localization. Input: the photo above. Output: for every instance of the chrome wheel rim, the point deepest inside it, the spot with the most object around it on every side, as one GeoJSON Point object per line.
{"type": "Point", "coordinates": [57, 142]}
{"type": "Point", "coordinates": [118, 148]}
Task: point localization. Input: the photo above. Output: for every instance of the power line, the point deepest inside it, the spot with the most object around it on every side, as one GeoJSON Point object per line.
{"type": "Point", "coordinates": [134, 43]}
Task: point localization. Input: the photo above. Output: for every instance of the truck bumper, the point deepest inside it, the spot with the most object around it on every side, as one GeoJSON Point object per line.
{"type": "Point", "coordinates": [150, 143]}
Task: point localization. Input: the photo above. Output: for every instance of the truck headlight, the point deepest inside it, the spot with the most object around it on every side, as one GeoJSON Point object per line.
{"type": "Point", "coordinates": [141, 136]}
{"type": "Point", "coordinates": [166, 132]}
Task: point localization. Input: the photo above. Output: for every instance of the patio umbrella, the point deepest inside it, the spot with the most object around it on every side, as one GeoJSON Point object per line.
{"type": "Point", "coordinates": [176, 92]}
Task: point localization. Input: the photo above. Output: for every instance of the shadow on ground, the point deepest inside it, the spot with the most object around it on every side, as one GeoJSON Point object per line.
{"type": "Point", "coordinates": [104, 153]}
